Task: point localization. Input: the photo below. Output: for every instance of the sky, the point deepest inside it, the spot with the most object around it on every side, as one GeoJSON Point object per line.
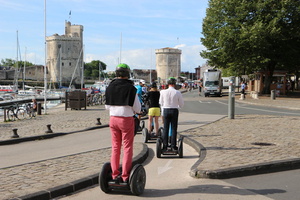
{"type": "Point", "coordinates": [114, 30]}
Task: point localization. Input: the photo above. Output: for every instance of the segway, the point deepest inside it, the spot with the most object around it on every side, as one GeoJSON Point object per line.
{"type": "Point", "coordinates": [147, 135]}
{"type": "Point", "coordinates": [140, 124]}
{"type": "Point", "coordinates": [169, 150]}
{"type": "Point", "coordinates": [136, 183]}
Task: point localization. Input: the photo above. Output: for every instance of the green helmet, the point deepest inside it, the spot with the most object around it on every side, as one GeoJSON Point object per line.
{"type": "Point", "coordinates": [172, 81]}
{"type": "Point", "coordinates": [123, 70]}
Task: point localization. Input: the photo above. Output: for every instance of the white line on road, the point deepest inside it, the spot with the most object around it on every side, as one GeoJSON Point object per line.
{"type": "Point", "coordinates": [165, 168]}
{"type": "Point", "coordinates": [204, 101]}
{"type": "Point", "coordinates": [261, 109]}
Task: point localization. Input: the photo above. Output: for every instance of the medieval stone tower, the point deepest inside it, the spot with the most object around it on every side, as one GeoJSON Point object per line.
{"type": "Point", "coordinates": [168, 63]}
{"type": "Point", "coordinates": [65, 55]}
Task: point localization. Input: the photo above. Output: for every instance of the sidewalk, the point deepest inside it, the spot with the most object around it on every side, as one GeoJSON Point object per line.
{"type": "Point", "coordinates": [61, 121]}
{"type": "Point", "coordinates": [245, 145]}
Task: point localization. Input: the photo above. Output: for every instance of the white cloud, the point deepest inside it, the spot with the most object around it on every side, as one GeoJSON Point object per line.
{"type": "Point", "coordinates": [179, 46]}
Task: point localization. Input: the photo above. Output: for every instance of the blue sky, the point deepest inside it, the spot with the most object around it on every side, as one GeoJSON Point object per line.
{"type": "Point", "coordinates": [145, 25]}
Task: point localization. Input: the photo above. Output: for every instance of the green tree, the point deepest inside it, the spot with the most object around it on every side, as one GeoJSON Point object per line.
{"type": "Point", "coordinates": [252, 35]}
{"type": "Point", "coordinates": [12, 63]}
{"type": "Point", "coordinates": [22, 64]}
{"type": "Point", "coordinates": [8, 62]}
{"type": "Point", "coordinates": [92, 69]}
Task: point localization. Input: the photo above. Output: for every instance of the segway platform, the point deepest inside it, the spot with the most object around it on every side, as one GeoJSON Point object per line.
{"type": "Point", "coordinates": [149, 136]}
{"type": "Point", "coordinates": [136, 183]}
{"type": "Point", "coordinates": [169, 150]}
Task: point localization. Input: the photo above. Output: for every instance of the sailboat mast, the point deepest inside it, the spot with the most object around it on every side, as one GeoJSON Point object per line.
{"type": "Point", "coordinates": [17, 64]}
{"type": "Point", "coordinates": [24, 70]}
{"type": "Point", "coordinates": [45, 67]}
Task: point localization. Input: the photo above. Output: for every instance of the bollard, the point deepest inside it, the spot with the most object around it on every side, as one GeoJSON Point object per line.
{"type": "Point", "coordinates": [39, 108]}
{"type": "Point", "coordinates": [49, 129]}
{"type": "Point", "coordinates": [242, 97]}
{"type": "Point", "coordinates": [98, 121]}
{"type": "Point", "coordinates": [231, 98]}
{"type": "Point", "coordinates": [273, 94]}
{"type": "Point", "coordinates": [15, 134]}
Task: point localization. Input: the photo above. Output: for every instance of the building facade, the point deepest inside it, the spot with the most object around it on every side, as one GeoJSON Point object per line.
{"type": "Point", "coordinates": [168, 63]}
{"type": "Point", "coordinates": [65, 55]}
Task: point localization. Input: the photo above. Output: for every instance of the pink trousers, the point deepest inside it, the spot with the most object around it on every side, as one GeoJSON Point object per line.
{"type": "Point", "coordinates": [122, 134]}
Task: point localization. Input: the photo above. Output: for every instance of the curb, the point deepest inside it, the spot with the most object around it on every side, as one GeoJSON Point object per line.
{"type": "Point", "coordinates": [78, 184]}
{"type": "Point", "coordinates": [233, 172]}
{"type": "Point", "coordinates": [261, 168]}
{"type": "Point", "coordinates": [47, 136]}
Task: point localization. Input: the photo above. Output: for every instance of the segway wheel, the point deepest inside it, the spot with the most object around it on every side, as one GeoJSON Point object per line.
{"type": "Point", "coordinates": [104, 177]}
{"type": "Point", "coordinates": [145, 135]}
{"type": "Point", "coordinates": [158, 147]}
{"type": "Point", "coordinates": [160, 131]}
{"type": "Point", "coordinates": [142, 125]}
{"type": "Point", "coordinates": [180, 147]}
{"type": "Point", "coordinates": [137, 180]}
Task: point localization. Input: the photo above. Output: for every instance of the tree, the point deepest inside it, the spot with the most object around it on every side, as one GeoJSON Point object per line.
{"type": "Point", "coordinates": [252, 35]}
{"type": "Point", "coordinates": [92, 69]}
{"type": "Point", "coordinates": [13, 63]}
{"type": "Point", "coordinates": [8, 62]}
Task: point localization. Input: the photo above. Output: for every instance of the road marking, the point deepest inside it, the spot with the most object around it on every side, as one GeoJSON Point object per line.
{"type": "Point", "coordinates": [271, 111]}
{"type": "Point", "coordinates": [204, 101]}
{"type": "Point", "coordinates": [165, 168]}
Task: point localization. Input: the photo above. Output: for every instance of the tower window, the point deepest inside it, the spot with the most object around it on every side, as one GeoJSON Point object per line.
{"type": "Point", "coordinates": [62, 64]}
{"type": "Point", "coordinates": [69, 64]}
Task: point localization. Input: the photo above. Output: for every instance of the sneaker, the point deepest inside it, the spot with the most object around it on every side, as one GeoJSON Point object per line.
{"type": "Point", "coordinates": [175, 148]}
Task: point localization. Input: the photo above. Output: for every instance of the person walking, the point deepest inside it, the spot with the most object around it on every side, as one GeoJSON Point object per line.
{"type": "Point", "coordinates": [122, 102]}
{"type": "Point", "coordinates": [170, 100]}
{"type": "Point", "coordinates": [154, 109]}
{"type": "Point", "coordinates": [243, 88]}
{"type": "Point", "coordinates": [200, 87]}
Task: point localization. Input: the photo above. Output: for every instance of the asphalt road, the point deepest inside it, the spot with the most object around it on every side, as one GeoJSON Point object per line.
{"type": "Point", "coordinates": [278, 186]}
{"type": "Point", "coordinates": [219, 105]}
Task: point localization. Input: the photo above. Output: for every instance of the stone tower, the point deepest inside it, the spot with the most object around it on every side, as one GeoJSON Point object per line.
{"type": "Point", "coordinates": [168, 63]}
{"type": "Point", "coordinates": [65, 55]}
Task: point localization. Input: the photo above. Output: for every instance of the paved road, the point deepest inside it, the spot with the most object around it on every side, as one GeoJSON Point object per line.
{"type": "Point", "coordinates": [52, 148]}
{"type": "Point", "coordinates": [278, 186]}
{"type": "Point", "coordinates": [219, 105]}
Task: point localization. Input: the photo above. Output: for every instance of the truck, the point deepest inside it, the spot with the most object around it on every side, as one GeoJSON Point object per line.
{"type": "Point", "coordinates": [226, 82]}
{"type": "Point", "coordinates": [212, 82]}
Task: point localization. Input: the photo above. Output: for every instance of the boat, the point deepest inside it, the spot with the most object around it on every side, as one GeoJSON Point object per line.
{"type": "Point", "coordinates": [7, 88]}
{"type": "Point", "coordinates": [29, 92]}
{"type": "Point", "coordinates": [101, 85]}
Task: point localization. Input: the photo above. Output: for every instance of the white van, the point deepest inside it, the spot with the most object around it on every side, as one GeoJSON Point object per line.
{"type": "Point", "coordinates": [212, 82]}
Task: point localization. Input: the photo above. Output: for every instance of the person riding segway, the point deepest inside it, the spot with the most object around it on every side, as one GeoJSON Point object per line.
{"type": "Point", "coordinates": [154, 113]}
{"type": "Point", "coordinates": [122, 103]}
{"type": "Point", "coordinates": [170, 100]}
